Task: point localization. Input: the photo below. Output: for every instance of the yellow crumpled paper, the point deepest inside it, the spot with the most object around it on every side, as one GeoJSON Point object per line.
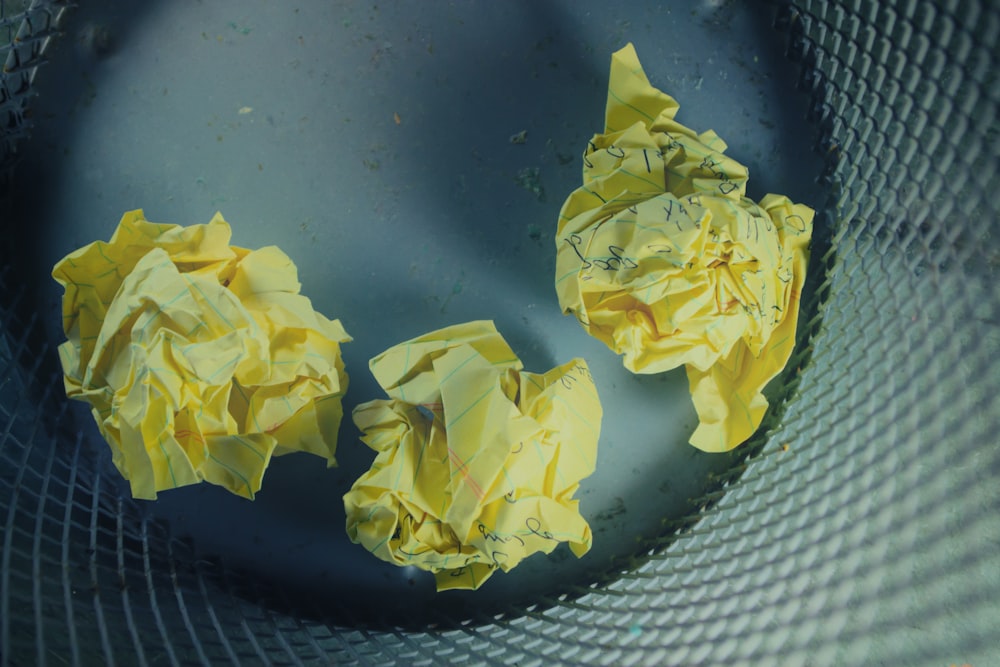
{"type": "Point", "coordinates": [663, 258]}
{"type": "Point", "coordinates": [477, 460]}
{"type": "Point", "coordinates": [199, 360]}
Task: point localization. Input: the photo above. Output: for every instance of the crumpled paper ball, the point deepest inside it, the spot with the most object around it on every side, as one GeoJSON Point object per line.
{"type": "Point", "coordinates": [199, 360]}
{"type": "Point", "coordinates": [663, 257]}
{"type": "Point", "coordinates": [477, 461]}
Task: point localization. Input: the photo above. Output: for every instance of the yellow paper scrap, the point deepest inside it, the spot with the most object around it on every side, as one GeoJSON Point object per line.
{"type": "Point", "coordinates": [663, 257]}
{"type": "Point", "coordinates": [199, 360]}
{"type": "Point", "coordinates": [477, 460]}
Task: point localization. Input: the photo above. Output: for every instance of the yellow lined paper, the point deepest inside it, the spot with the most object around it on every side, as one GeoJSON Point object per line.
{"type": "Point", "coordinates": [200, 360]}
{"type": "Point", "coordinates": [663, 257]}
{"type": "Point", "coordinates": [477, 461]}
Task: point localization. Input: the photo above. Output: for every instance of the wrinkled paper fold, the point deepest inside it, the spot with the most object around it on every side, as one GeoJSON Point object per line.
{"type": "Point", "coordinates": [199, 360]}
{"type": "Point", "coordinates": [477, 460]}
{"type": "Point", "coordinates": [663, 257]}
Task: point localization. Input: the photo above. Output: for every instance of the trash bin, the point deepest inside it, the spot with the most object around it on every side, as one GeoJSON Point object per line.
{"type": "Point", "coordinates": [412, 157]}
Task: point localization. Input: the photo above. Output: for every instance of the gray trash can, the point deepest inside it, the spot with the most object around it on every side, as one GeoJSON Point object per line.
{"type": "Point", "coordinates": [411, 157]}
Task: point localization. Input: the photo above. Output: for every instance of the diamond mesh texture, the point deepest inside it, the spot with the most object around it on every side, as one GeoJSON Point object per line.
{"type": "Point", "coordinates": [865, 529]}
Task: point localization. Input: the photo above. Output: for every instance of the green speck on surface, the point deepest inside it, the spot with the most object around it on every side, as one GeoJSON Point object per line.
{"type": "Point", "coordinates": [530, 179]}
{"type": "Point", "coordinates": [534, 232]}
{"type": "Point", "coordinates": [635, 630]}
{"type": "Point", "coordinates": [455, 290]}
{"type": "Point", "coordinates": [519, 138]}
{"type": "Point", "coordinates": [243, 30]}
{"type": "Point", "coordinates": [373, 165]}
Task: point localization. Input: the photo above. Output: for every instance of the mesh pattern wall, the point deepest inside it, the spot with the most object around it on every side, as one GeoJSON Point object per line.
{"type": "Point", "coordinates": [866, 527]}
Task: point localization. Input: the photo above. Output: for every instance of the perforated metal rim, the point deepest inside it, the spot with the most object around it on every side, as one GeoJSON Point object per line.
{"type": "Point", "coordinates": [867, 525]}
